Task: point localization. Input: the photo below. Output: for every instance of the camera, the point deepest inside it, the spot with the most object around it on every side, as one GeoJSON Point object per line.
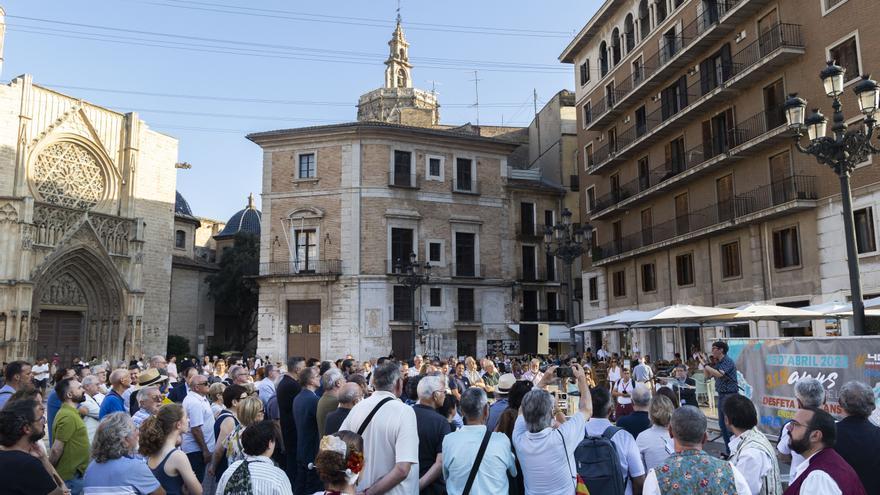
{"type": "Point", "coordinates": [564, 372]}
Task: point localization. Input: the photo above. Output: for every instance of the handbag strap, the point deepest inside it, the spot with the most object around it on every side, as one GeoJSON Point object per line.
{"type": "Point", "coordinates": [476, 467]}
{"type": "Point", "coordinates": [567, 459]}
{"type": "Point", "coordinates": [373, 413]}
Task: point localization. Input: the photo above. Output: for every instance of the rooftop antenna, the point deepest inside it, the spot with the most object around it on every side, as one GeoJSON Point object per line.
{"type": "Point", "coordinates": [477, 92]}
{"type": "Point", "coordinates": [434, 85]}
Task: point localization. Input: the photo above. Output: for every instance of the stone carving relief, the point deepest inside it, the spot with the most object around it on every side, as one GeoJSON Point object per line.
{"type": "Point", "coordinates": [63, 291]}
{"type": "Point", "coordinates": [67, 174]}
{"type": "Point", "coordinates": [52, 223]}
{"type": "Point", "coordinates": [8, 213]}
{"type": "Point", "coordinates": [114, 232]}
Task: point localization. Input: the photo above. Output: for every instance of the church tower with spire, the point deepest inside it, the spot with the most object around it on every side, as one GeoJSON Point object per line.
{"type": "Point", "coordinates": [398, 102]}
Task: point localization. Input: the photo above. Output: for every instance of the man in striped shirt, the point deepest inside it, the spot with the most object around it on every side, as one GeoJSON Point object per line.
{"type": "Point", "coordinates": [258, 443]}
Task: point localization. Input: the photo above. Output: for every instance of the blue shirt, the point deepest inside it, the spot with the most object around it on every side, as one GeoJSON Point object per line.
{"type": "Point", "coordinates": [52, 407]}
{"type": "Point", "coordinates": [495, 411]}
{"type": "Point", "coordinates": [726, 384]}
{"type": "Point", "coordinates": [111, 404]}
{"type": "Point", "coordinates": [119, 476]}
{"type": "Point", "coordinates": [5, 393]}
{"type": "Point", "coordinates": [459, 453]}
{"type": "Point", "coordinates": [305, 416]}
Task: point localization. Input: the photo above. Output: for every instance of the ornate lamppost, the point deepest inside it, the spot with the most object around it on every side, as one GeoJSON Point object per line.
{"type": "Point", "coordinates": [841, 152]}
{"type": "Point", "coordinates": [412, 274]}
{"type": "Point", "coordinates": [566, 242]}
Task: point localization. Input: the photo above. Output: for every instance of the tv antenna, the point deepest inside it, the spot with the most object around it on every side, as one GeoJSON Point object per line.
{"type": "Point", "coordinates": [476, 81]}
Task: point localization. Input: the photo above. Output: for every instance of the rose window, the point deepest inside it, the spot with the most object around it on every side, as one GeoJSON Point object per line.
{"type": "Point", "coordinates": [67, 174]}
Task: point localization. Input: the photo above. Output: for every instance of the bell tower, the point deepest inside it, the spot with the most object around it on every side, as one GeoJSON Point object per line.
{"type": "Point", "coordinates": [398, 70]}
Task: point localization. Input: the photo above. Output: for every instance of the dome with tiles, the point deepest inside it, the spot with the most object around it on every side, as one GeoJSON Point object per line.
{"type": "Point", "coordinates": [245, 221]}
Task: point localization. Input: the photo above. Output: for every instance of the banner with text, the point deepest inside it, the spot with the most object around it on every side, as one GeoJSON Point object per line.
{"type": "Point", "coordinates": [768, 368]}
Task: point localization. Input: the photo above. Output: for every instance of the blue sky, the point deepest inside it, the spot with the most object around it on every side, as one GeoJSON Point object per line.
{"type": "Point", "coordinates": [210, 71]}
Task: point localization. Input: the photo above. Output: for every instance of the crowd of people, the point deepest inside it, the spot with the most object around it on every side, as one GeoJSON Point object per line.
{"type": "Point", "coordinates": [496, 425]}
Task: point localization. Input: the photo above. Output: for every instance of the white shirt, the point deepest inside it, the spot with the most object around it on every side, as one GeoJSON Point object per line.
{"type": "Point", "coordinates": [655, 445]}
{"type": "Point", "coordinates": [652, 487]}
{"type": "Point", "coordinates": [624, 387]}
{"type": "Point", "coordinates": [783, 447]}
{"type": "Point", "coordinates": [126, 398]}
{"type": "Point", "coordinates": [642, 372]}
{"type": "Point", "coordinates": [40, 371]}
{"type": "Point", "coordinates": [752, 461]}
{"type": "Point", "coordinates": [91, 419]}
{"type": "Point", "coordinates": [602, 353]}
{"type": "Point", "coordinates": [628, 454]}
{"type": "Point", "coordinates": [614, 374]}
{"type": "Point", "coordinates": [817, 482]}
{"type": "Point", "coordinates": [547, 470]}
{"type": "Point", "coordinates": [266, 479]}
{"type": "Point", "coordinates": [198, 409]}
{"type": "Point", "coordinates": [391, 437]}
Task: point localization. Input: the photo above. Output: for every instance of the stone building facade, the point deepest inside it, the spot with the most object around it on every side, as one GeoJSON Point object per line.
{"type": "Point", "coordinates": [691, 180]}
{"type": "Point", "coordinates": [86, 223]}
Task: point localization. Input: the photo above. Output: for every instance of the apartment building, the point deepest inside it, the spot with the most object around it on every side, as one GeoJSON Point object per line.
{"type": "Point", "coordinates": [690, 179]}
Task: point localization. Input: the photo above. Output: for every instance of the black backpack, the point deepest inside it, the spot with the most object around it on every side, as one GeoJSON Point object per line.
{"type": "Point", "coordinates": [598, 464]}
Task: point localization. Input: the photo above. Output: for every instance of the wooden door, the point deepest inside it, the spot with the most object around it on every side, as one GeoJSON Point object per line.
{"type": "Point", "coordinates": [724, 193]}
{"type": "Point", "coordinates": [644, 174]}
{"type": "Point", "coordinates": [766, 27]}
{"type": "Point", "coordinates": [529, 305]}
{"type": "Point", "coordinates": [61, 332]}
{"type": "Point", "coordinates": [467, 342]}
{"type": "Point", "coordinates": [304, 329]}
{"type": "Point", "coordinates": [780, 178]}
{"type": "Point", "coordinates": [774, 98]}
{"type": "Point", "coordinates": [401, 343]}
{"type": "Point", "coordinates": [647, 225]}
{"type": "Point", "coordinates": [682, 220]}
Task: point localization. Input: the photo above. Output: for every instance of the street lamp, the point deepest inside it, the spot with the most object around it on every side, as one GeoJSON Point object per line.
{"type": "Point", "coordinates": [566, 242]}
{"type": "Point", "coordinates": [841, 153]}
{"type": "Point", "coordinates": [412, 274]}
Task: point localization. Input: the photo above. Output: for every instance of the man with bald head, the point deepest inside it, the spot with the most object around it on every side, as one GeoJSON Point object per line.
{"type": "Point", "coordinates": [119, 382]}
{"type": "Point", "coordinates": [349, 395]}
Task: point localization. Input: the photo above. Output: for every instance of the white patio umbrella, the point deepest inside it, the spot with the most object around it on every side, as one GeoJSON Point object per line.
{"type": "Point", "coordinates": [682, 314]}
{"type": "Point", "coordinates": [839, 310]}
{"type": "Point", "coordinates": [611, 322]}
{"type": "Point", "coordinates": [772, 312]}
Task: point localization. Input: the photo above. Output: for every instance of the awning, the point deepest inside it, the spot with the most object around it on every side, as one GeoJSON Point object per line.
{"type": "Point", "coordinates": [558, 333]}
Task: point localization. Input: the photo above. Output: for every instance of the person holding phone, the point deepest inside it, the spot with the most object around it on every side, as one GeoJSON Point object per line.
{"type": "Point", "coordinates": [622, 391]}
{"type": "Point", "coordinates": [726, 385]}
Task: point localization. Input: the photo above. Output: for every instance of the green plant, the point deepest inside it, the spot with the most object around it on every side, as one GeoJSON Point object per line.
{"type": "Point", "coordinates": [177, 346]}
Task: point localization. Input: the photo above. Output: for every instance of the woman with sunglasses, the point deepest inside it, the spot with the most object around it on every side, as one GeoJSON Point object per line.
{"type": "Point", "coordinates": [224, 424]}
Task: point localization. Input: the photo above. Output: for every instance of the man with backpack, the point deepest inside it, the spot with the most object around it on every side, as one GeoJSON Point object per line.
{"type": "Point", "coordinates": [606, 447]}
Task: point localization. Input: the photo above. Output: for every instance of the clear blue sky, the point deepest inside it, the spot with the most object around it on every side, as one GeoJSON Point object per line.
{"type": "Point", "coordinates": [297, 64]}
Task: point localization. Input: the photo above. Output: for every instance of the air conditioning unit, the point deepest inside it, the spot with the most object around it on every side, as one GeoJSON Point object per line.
{"type": "Point", "coordinates": [626, 120]}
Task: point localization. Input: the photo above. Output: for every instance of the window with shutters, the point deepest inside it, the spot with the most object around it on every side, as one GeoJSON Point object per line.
{"type": "Point", "coordinates": [585, 72]}
{"type": "Point", "coordinates": [465, 254]}
{"type": "Point", "coordinates": [403, 174]}
{"type": "Point", "coordinates": [644, 174]}
{"type": "Point", "coordinates": [588, 113]}
{"type": "Point", "coordinates": [402, 303]}
{"type": "Point", "coordinates": [641, 121]}
{"type": "Point", "coordinates": [180, 239]}
{"type": "Point", "coordinates": [647, 227]}
{"type": "Point", "coordinates": [846, 54]}
{"type": "Point", "coordinates": [465, 180]}
{"type": "Point", "coordinates": [401, 245]}
{"type": "Point", "coordinates": [674, 98]}
{"type": "Point", "coordinates": [682, 214]}
{"type": "Point", "coordinates": [529, 263]}
{"type": "Point", "coordinates": [588, 157]}
{"type": "Point", "coordinates": [864, 222]}
{"type": "Point", "coordinates": [527, 219]}
{"type": "Point", "coordinates": [612, 140]}
{"type": "Point", "coordinates": [610, 94]}
{"type": "Point", "coordinates": [675, 156]}
{"type": "Point", "coordinates": [730, 260]}
{"type": "Point", "coordinates": [436, 297]}
{"type": "Point", "coordinates": [619, 283]}
{"type": "Point", "coordinates": [786, 248]}
{"type": "Point", "coordinates": [649, 277]}
{"type": "Point", "coordinates": [715, 69]}
{"type": "Point", "coordinates": [593, 288]}
{"type": "Point", "coordinates": [684, 269]}
{"type": "Point", "coordinates": [307, 168]}
{"type": "Point", "coordinates": [591, 198]}
{"type": "Point", "coordinates": [465, 305]}
{"type": "Point", "coordinates": [718, 135]}
{"type": "Point", "coordinates": [638, 68]}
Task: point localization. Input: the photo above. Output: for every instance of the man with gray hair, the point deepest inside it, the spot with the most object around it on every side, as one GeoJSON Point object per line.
{"type": "Point", "coordinates": [637, 421]}
{"type": "Point", "coordinates": [349, 395]}
{"type": "Point", "coordinates": [809, 393]}
{"type": "Point", "coordinates": [463, 447]}
{"type": "Point", "coordinates": [416, 368]}
{"type": "Point", "coordinates": [149, 399]}
{"type": "Point", "coordinates": [690, 468]}
{"type": "Point", "coordinates": [389, 470]}
{"type": "Point", "coordinates": [331, 382]}
{"type": "Point", "coordinates": [90, 405]}
{"type": "Point", "coordinates": [537, 443]}
{"type": "Point", "coordinates": [857, 436]}
{"type": "Point", "coordinates": [432, 427]}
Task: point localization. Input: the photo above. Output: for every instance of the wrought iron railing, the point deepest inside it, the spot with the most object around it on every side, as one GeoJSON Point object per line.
{"type": "Point", "coordinates": [405, 180]}
{"type": "Point", "coordinates": [554, 315]}
{"type": "Point", "coordinates": [303, 268]}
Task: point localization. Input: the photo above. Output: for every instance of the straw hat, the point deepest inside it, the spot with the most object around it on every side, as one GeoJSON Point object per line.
{"type": "Point", "coordinates": [505, 383]}
{"type": "Point", "coordinates": [150, 377]}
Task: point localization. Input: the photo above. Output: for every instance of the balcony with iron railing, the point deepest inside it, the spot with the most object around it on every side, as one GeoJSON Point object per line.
{"type": "Point", "coordinates": [707, 24]}
{"type": "Point", "coordinates": [467, 270]}
{"type": "Point", "coordinates": [467, 315]}
{"type": "Point", "coordinates": [303, 268]}
{"type": "Point", "coordinates": [466, 186]}
{"type": "Point", "coordinates": [542, 315]}
{"type": "Point", "coordinates": [529, 232]}
{"type": "Point", "coordinates": [762, 130]}
{"type": "Point", "coordinates": [776, 47]}
{"type": "Point", "coordinates": [535, 274]}
{"type": "Point", "coordinates": [403, 180]}
{"type": "Point", "coordinates": [778, 198]}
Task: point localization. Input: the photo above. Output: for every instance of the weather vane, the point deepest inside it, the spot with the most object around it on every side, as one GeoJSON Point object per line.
{"type": "Point", "coordinates": [398, 11]}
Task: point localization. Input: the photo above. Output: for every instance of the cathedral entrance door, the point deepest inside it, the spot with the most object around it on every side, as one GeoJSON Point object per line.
{"type": "Point", "coordinates": [304, 329]}
{"type": "Point", "coordinates": [61, 332]}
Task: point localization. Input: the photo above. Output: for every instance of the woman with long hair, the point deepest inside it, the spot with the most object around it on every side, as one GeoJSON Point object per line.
{"type": "Point", "coordinates": [160, 435]}
{"type": "Point", "coordinates": [339, 462]}
{"type": "Point", "coordinates": [248, 412]}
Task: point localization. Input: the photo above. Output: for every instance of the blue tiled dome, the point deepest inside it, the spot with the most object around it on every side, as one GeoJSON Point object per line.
{"type": "Point", "coordinates": [181, 207]}
{"type": "Point", "coordinates": [246, 221]}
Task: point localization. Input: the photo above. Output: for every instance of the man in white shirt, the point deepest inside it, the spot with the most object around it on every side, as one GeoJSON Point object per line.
{"type": "Point", "coordinates": [813, 433]}
{"type": "Point", "coordinates": [751, 452]}
{"type": "Point", "coordinates": [809, 393]}
{"type": "Point", "coordinates": [688, 430]}
{"type": "Point", "coordinates": [91, 405]}
{"type": "Point", "coordinates": [198, 442]}
{"type": "Point", "coordinates": [643, 373]}
{"type": "Point", "coordinates": [391, 438]}
{"type": "Point", "coordinates": [416, 367]}
{"type": "Point", "coordinates": [628, 454]}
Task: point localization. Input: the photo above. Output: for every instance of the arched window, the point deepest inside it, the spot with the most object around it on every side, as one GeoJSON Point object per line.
{"type": "Point", "coordinates": [401, 78]}
{"type": "Point", "coordinates": [661, 10]}
{"type": "Point", "coordinates": [603, 58]}
{"type": "Point", "coordinates": [644, 20]}
{"type": "Point", "coordinates": [629, 33]}
{"type": "Point", "coordinates": [401, 53]}
{"type": "Point", "coordinates": [180, 239]}
{"type": "Point", "coordinates": [615, 46]}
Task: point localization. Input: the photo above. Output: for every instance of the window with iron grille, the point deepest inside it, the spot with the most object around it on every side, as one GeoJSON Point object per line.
{"type": "Point", "coordinates": [684, 269]}
{"type": "Point", "coordinates": [786, 248]}
{"type": "Point", "coordinates": [730, 261]}
{"type": "Point", "coordinates": [619, 283]}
